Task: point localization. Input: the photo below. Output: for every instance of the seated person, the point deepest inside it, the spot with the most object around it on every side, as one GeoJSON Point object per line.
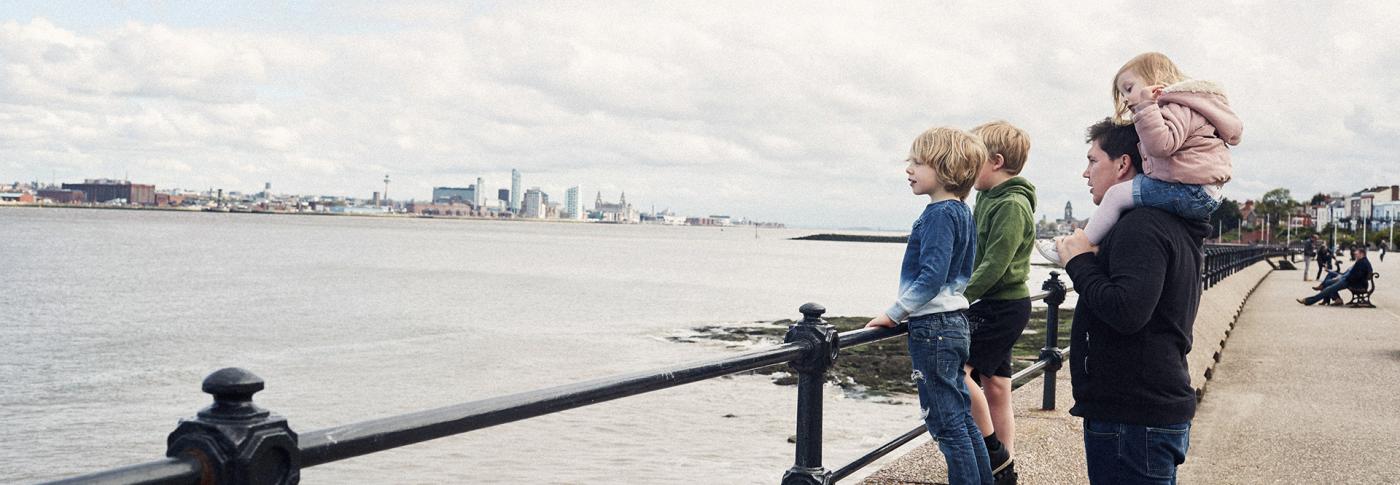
{"type": "Point", "coordinates": [1356, 277]}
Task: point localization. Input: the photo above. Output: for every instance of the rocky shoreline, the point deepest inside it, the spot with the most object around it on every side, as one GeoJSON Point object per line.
{"type": "Point", "coordinates": [879, 369]}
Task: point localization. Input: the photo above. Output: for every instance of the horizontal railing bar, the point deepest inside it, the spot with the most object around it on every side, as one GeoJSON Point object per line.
{"type": "Point", "coordinates": [862, 336]}
{"type": "Point", "coordinates": [169, 471]}
{"type": "Point", "coordinates": [333, 444]}
{"type": "Point", "coordinates": [878, 453]}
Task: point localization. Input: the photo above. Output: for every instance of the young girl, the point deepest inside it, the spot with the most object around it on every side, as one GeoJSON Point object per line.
{"type": "Point", "coordinates": [1184, 127]}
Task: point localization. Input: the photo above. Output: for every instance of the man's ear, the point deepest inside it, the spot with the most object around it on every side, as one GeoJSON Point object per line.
{"type": "Point", "coordinates": [1125, 165]}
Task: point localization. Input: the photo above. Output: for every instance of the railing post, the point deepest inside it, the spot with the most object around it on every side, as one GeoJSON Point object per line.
{"type": "Point", "coordinates": [236, 441]}
{"type": "Point", "coordinates": [822, 344]}
{"type": "Point", "coordinates": [1051, 352]}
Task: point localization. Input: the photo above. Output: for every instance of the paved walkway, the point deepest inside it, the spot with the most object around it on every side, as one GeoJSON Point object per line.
{"type": "Point", "coordinates": [1304, 394]}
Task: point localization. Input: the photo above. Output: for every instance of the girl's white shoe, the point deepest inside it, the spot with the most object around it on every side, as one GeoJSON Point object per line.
{"type": "Point", "coordinates": [1047, 248]}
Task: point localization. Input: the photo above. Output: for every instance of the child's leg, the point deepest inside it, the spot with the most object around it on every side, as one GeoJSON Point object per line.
{"type": "Point", "coordinates": [1185, 200]}
{"type": "Point", "coordinates": [938, 350]}
{"type": "Point", "coordinates": [1117, 200]}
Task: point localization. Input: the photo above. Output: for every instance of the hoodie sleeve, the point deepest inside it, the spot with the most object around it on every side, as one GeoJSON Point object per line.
{"type": "Point", "coordinates": [1007, 231]}
{"type": "Point", "coordinates": [1163, 129]}
{"type": "Point", "coordinates": [935, 253]}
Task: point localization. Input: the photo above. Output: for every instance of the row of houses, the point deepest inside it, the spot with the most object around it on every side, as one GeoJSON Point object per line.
{"type": "Point", "coordinates": [1373, 207]}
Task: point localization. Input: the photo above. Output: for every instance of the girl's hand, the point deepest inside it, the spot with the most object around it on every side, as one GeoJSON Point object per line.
{"type": "Point", "coordinates": [1156, 90]}
{"type": "Point", "coordinates": [880, 321]}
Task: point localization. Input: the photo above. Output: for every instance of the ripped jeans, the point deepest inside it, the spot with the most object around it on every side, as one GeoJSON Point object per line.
{"type": "Point", "coordinates": [938, 346]}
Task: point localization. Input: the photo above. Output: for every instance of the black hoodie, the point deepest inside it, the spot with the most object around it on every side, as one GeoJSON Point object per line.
{"type": "Point", "coordinates": [1132, 326]}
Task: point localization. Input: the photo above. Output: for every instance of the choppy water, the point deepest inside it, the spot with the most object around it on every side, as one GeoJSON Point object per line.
{"type": "Point", "coordinates": [110, 319]}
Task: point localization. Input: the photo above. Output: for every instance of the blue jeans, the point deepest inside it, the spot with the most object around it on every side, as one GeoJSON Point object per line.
{"type": "Point", "coordinates": [1134, 454]}
{"type": "Point", "coordinates": [938, 346]}
{"type": "Point", "coordinates": [1185, 200]}
{"type": "Point", "coordinates": [1331, 288]}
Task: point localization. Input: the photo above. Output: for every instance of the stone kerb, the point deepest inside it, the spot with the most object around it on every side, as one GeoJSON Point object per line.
{"type": "Point", "coordinates": [1219, 308]}
{"type": "Point", "coordinates": [1050, 444]}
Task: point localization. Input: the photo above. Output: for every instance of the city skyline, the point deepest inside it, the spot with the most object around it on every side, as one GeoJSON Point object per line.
{"type": "Point", "coordinates": [798, 115]}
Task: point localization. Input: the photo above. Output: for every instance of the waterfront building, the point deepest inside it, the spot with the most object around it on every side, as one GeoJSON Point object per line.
{"type": "Point", "coordinates": [478, 192]}
{"type": "Point", "coordinates": [573, 207]}
{"type": "Point", "coordinates": [19, 197]}
{"type": "Point", "coordinates": [503, 195]}
{"type": "Point", "coordinates": [63, 196]}
{"type": "Point", "coordinates": [515, 190]}
{"type": "Point", "coordinates": [453, 194]}
{"type": "Point", "coordinates": [618, 212]}
{"type": "Point", "coordinates": [534, 204]}
{"type": "Point", "coordinates": [107, 190]}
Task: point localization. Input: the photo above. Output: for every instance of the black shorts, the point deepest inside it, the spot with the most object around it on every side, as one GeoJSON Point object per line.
{"type": "Point", "coordinates": [996, 326]}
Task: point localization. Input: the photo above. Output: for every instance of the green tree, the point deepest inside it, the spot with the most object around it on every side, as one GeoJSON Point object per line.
{"type": "Point", "coordinates": [1317, 198]}
{"type": "Point", "coordinates": [1276, 204]}
{"type": "Point", "coordinates": [1227, 216]}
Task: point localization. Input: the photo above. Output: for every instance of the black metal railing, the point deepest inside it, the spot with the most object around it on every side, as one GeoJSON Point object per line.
{"type": "Point", "coordinates": [1224, 260]}
{"type": "Point", "coordinates": [235, 441]}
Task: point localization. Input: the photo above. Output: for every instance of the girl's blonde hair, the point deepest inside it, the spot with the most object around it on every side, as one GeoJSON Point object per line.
{"type": "Point", "coordinates": [1153, 68]}
{"type": "Point", "coordinates": [954, 155]}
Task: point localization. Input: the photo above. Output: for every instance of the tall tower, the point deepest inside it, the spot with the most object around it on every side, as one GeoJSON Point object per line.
{"type": "Point", "coordinates": [514, 190]}
{"type": "Point", "coordinates": [572, 204]}
{"type": "Point", "coordinates": [1069, 211]}
{"type": "Point", "coordinates": [386, 189]}
{"type": "Point", "coordinates": [480, 189]}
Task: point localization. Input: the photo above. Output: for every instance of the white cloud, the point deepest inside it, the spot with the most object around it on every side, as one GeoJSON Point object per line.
{"type": "Point", "coordinates": [791, 112]}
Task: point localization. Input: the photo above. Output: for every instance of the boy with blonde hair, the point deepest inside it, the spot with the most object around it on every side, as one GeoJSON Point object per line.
{"type": "Point", "coordinates": [1001, 306]}
{"type": "Point", "coordinates": [943, 164]}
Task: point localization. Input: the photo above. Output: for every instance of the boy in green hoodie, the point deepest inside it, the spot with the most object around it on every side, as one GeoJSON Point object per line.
{"type": "Point", "coordinates": [1001, 302]}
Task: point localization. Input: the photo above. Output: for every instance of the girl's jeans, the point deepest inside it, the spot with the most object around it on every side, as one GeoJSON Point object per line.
{"type": "Point", "coordinates": [938, 348]}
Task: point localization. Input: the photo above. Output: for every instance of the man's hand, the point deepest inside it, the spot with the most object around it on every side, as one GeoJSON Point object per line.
{"type": "Point", "coordinates": [880, 321]}
{"type": "Point", "coordinates": [1074, 245]}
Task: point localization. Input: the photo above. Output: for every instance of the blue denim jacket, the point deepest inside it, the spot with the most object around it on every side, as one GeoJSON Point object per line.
{"type": "Point", "coordinates": [938, 262]}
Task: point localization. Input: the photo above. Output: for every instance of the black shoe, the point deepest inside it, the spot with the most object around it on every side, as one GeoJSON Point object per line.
{"type": "Point", "coordinates": [1007, 475]}
{"type": "Point", "coordinates": [1000, 459]}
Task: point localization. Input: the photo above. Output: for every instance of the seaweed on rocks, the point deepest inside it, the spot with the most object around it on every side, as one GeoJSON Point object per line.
{"type": "Point", "coordinates": [875, 369]}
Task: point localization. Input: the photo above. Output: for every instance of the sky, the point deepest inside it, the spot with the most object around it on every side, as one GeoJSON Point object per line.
{"type": "Point", "coordinates": [795, 112]}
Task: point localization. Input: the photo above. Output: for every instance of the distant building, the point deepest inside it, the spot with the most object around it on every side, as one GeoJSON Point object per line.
{"type": "Point", "coordinates": [453, 194]}
{"type": "Point", "coordinates": [478, 192]}
{"type": "Point", "coordinates": [1060, 227]}
{"type": "Point", "coordinates": [451, 209]}
{"type": "Point", "coordinates": [573, 207]}
{"type": "Point", "coordinates": [20, 197]}
{"type": "Point", "coordinates": [503, 195]}
{"type": "Point", "coordinates": [514, 190]}
{"type": "Point", "coordinates": [106, 190]}
{"type": "Point", "coordinates": [63, 196]}
{"type": "Point", "coordinates": [619, 212]}
{"type": "Point", "coordinates": [534, 204]}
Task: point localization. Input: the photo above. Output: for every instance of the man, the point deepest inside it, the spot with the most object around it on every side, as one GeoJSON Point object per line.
{"type": "Point", "coordinates": [1138, 295]}
{"type": "Point", "coordinates": [1356, 277]}
{"type": "Point", "coordinates": [1309, 250]}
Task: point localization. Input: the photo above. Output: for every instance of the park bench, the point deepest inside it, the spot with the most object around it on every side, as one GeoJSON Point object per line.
{"type": "Point", "coordinates": [1361, 295]}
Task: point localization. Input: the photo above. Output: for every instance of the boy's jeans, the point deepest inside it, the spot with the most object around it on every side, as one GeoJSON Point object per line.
{"type": "Point", "coordinates": [938, 348]}
{"type": "Point", "coordinates": [1134, 454]}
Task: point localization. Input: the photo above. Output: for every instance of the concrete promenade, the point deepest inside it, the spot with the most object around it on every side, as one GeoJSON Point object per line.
{"type": "Point", "coordinates": [1050, 447]}
{"type": "Point", "coordinates": [1304, 394]}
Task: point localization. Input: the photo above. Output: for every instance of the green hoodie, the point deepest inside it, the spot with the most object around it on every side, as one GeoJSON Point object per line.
{"type": "Point", "coordinates": [1005, 234]}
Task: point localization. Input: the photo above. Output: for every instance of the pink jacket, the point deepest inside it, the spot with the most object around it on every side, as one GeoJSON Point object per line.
{"type": "Point", "coordinates": [1183, 136]}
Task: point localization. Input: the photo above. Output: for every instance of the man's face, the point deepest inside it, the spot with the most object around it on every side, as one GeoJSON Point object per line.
{"type": "Point", "coordinates": [1102, 171]}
